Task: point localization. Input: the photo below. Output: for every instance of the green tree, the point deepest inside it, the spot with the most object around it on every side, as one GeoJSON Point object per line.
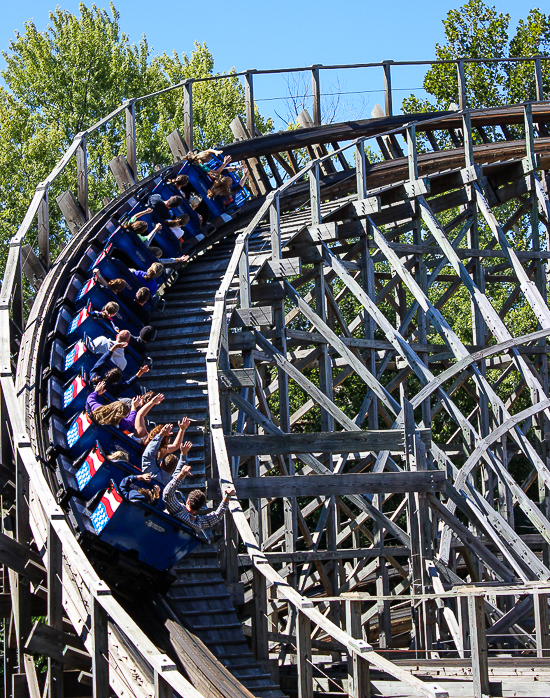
{"type": "Point", "coordinates": [80, 68]}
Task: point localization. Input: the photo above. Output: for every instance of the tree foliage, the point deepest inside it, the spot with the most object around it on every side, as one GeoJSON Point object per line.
{"type": "Point", "coordinates": [64, 79]}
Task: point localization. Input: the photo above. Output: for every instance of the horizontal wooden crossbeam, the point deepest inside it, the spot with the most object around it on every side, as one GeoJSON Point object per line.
{"type": "Point", "coordinates": [21, 559]}
{"type": "Point", "coordinates": [321, 442]}
{"type": "Point", "coordinates": [58, 645]}
{"type": "Point", "coordinates": [330, 485]}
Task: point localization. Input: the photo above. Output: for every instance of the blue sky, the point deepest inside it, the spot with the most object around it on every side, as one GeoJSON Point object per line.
{"type": "Point", "coordinates": [285, 33]}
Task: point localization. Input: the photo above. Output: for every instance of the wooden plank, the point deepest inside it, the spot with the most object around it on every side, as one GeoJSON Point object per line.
{"type": "Point", "coordinates": [303, 655]}
{"type": "Point", "coordinates": [320, 442]}
{"type": "Point", "coordinates": [72, 213]}
{"type": "Point", "coordinates": [237, 378]}
{"type": "Point", "coordinates": [177, 145]}
{"type": "Point", "coordinates": [55, 608]}
{"type": "Point", "coordinates": [32, 268]}
{"type": "Point", "coordinates": [58, 645]}
{"type": "Point", "coordinates": [252, 317]}
{"type": "Point", "coordinates": [21, 559]}
{"type": "Point", "coordinates": [540, 605]}
{"type": "Point", "coordinates": [478, 647]}
{"type": "Point", "coordinates": [261, 293]}
{"type": "Point", "coordinates": [340, 484]}
{"type": "Point", "coordinates": [100, 650]}
{"type": "Point", "coordinates": [122, 173]}
{"type": "Point", "coordinates": [310, 555]}
{"type": "Point", "coordinates": [280, 268]}
{"type": "Point", "coordinates": [208, 675]}
{"type": "Point", "coordinates": [358, 667]}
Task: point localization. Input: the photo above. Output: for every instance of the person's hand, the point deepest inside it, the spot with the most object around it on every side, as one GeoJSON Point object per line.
{"type": "Point", "coordinates": [229, 493]}
{"type": "Point", "coordinates": [157, 227]}
{"type": "Point", "coordinates": [185, 422]}
{"type": "Point", "coordinates": [227, 160]}
{"type": "Point", "coordinates": [147, 210]}
{"type": "Point", "coordinates": [185, 448]}
{"type": "Point", "coordinates": [183, 258]}
{"type": "Point", "coordinates": [136, 402]}
{"type": "Point", "coordinates": [142, 370]}
{"type": "Point", "coordinates": [146, 477]}
{"type": "Point", "coordinates": [156, 492]}
{"type": "Point", "coordinates": [166, 429]}
{"type": "Point", "coordinates": [119, 345]}
{"type": "Point", "coordinates": [101, 387]}
{"type": "Point", "coordinates": [158, 399]}
{"type": "Point", "coordinates": [95, 273]}
{"type": "Point", "coordinates": [217, 152]}
{"type": "Point", "coordinates": [186, 470]}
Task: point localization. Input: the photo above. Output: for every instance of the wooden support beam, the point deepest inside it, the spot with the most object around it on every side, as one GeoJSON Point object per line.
{"type": "Point", "coordinates": [60, 646]}
{"type": "Point", "coordinates": [131, 151]}
{"type": "Point", "coordinates": [188, 114]}
{"type": "Point", "coordinates": [316, 95]}
{"type": "Point", "coordinates": [303, 655]}
{"type": "Point", "coordinates": [122, 173]}
{"type": "Point", "coordinates": [339, 484]}
{"type": "Point", "coordinates": [72, 213]}
{"type": "Point", "coordinates": [82, 177]}
{"type": "Point", "coordinates": [55, 608]}
{"type": "Point", "coordinates": [177, 145]}
{"type": "Point", "coordinates": [478, 647]}
{"type": "Point", "coordinates": [340, 554]}
{"type": "Point", "coordinates": [237, 378]}
{"type": "Point", "coordinates": [358, 667]}
{"type": "Point", "coordinates": [251, 317]}
{"type": "Point", "coordinates": [162, 687]}
{"type": "Point", "coordinates": [21, 559]}
{"type": "Point", "coordinates": [43, 220]}
{"type": "Point", "coordinates": [32, 268]}
{"type": "Point", "coordinates": [321, 442]}
{"type": "Point", "coordinates": [100, 650]}
{"type": "Point", "coordinates": [542, 637]}
{"type": "Point", "coordinates": [260, 646]}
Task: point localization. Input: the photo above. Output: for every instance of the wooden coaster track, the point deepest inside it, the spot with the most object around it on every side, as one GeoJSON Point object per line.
{"type": "Point", "coordinates": [338, 562]}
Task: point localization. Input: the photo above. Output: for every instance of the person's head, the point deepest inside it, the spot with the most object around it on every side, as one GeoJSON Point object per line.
{"type": "Point", "coordinates": [117, 285]}
{"type": "Point", "coordinates": [123, 336]}
{"type": "Point", "coordinates": [179, 222]}
{"type": "Point", "coordinates": [181, 181]}
{"type": "Point", "coordinates": [119, 455]}
{"type": "Point", "coordinates": [195, 501]}
{"type": "Point", "coordinates": [111, 309]}
{"type": "Point", "coordinates": [147, 334]}
{"type": "Point", "coordinates": [154, 271]}
{"type": "Point", "coordinates": [169, 463]}
{"type": "Point", "coordinates": [155, 431]}
{"type": "Point", "coordinates": [155, 251]}
{"type": "Point", "coordinates": [150, 496]}
{"type": "Point", "coordinates": [194, 201]}
{"type": "Point", "coordinates": [112, 414]}
{"type": "Point", "coordinates": [147, 397]}
{"type": "Point", "coordinates": [193, 158]}
{"type": "Point", "coordinates": [220, 187]}
{"type": "Point", "coordinates": [174, 201]}
{"type": "Point", "coordinates": [142, 295]}
{"type": "Point", "coordinates": [139, 227]}
{"type": "Point", "coordinates": [113, 375]}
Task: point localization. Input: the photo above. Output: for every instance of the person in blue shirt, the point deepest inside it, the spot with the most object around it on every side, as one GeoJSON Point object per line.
{"type": "Point", "coordinates": [161, 208]}
{"type": "Point", "coordinates": [143, 488]}
{"type": "Point", "coordinates": [162, 470]}
{"type": "Point", "coordinates": [148, 279]}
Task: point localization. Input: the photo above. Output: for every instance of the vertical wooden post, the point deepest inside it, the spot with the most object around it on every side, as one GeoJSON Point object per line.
{"type": "Point", "coordinates": [162, 687]}
{"type": "Point", "coordinates": [388, 102]}
{"type": "Point", "coordinates": [249, 99]}
{"type": "Point", "coordinates": [44, 229]}
{"type": "Point", "coordinates": [478, 646]}
{"type": "Point", "coordinates": [468, 139]}
{"type": "Point", "coordinates": [316, 94]}
{"type": "Point", "coordinates": [82, 174]}
{"type": "Point", "coordinates": [188, 114]}
{"type": "Point", "coordinates": [275, 228]}
{"type": "Point", "coordinates": [412, 155]}
{"type": "Point", "coordinates": [131, 155]}
{"type": "Point", "coordinates": [538, 80]}
{"type": "Point", "coordinates": [100, 650]}
{"type": "Point", "coordinates": [24, 536]}
{"type": "Point", "coordinates": [260, 645]}
{"type": "Point", "coordinates": [55, 608]}
{"type": "Point", "coordinates": [358, 668]}
{"type": "Point", "coordinates": [17, 298]}
{"type": "Point", "coordinates": [462, 99]}
{"type": "Point", "coordinates": [360, 170]}
{"type": "Point", "coordinates": [315, 194]}
{"type": "Point", "coordinates": [244, 278]}
{"type": "Point", "coordinates": [303, 656]}
{"type": "Point", "coordinates": [542, 636]}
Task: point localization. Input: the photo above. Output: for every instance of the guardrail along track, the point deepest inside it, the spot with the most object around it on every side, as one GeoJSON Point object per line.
{"type": "Point", "coordinates": [374, 231]}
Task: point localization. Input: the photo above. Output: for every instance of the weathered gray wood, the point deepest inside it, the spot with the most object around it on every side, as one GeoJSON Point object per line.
{"type": "Point", "coordinates": [70, 208]}
{"type": "Point", "coordinates": [177, 145]}
{"type": "Point", "coordinates": [58, 645]}
{"type": "Point", "coordinates": [542, 636]}
{"type": "Point", "coordinates": [340, 484]}
{"type": "Point", "coordinates": [316, 95]}
{"type": "Point", "coordinates": [388, 102]}
{"type": "Point", "coordinates": [188, 114]}
{"type": "Point", "coordinates": [100, 650]}
{"type": "Point", "coordinates": [21, 559]}
{"type": "Point", "coordinates": [43, 221]}
{"type": "Point", "coordinates": [237, 378]}
{"type": "Point", "coordinates": [358, 667]}
{"type": "Point", "coordinates": [320, 442]}
{"type": "Point", "coordinates": [122, 173]}
{"type": "Point", "coordinates": [131, 151]}
{"type": "Point", "coordinates": [249, 101]}
{"type": "Point", "coordinates": [251, 317]}
{"type": "Point", "coordinates": [255, 168]}
{"type": "Point", "coordinates": [162, 687]}
{"type": "Point", "coordinates": [32, 268]}
{"type": "Point", "coordinates": [280, 268]}
{"type": "Point", "coordinates": [260, 645]}
{"type": "Point", "coordinates": [478, 647]}
{"type": "Point", "coordinates": [303, 656]}
{"type": "Point", "coordinates": [262, 293]}
{"type": "Point", "coordinates": [82, 177]}
{"type": "Point", "coordinates": [55, 608]}
{"type": "Point", "coordinates": [309, 555]}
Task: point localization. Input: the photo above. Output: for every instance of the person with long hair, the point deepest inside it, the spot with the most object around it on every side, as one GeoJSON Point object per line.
{"type": "Point", "coordinates": [158, 457]}
{"type": "Point", "coordinates": [107, 314]}
{"type": "Point", "coordinates": [116, 414]}
{"type": "Point", "coordinates": [142, 489]}
{"type": "Point", "coordinates": [180, 182]}
{"type": "Point", "coordinates": [140, 228]}
{"type": "Point", "coordinates": [113, 376]}
{"type": "Point", "coordinates": [115, 285]}
{"type": "Point", "coordinates": [162, 208]}
{"type": "Point", "coordinates": [149, 278]}
{"type": "Point", "coordinates": [225, 186]}
{"type": "Point", "coordinates": [199, 159]}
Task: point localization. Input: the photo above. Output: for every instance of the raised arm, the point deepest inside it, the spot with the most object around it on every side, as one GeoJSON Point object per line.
{"type": "Point", "coordinates": [176, 443]}
{"type": "Point", "coordinates": [140, 427]}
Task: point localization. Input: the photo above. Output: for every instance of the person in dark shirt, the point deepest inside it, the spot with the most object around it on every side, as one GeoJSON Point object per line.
{"type": "Point", "coordinates": [142, 488]}
{"type": "Point", "coordinates": [137, 305]}
{"type": "Point", "coordinates": [161, 208]}
{"type": "Point", "coordinates": [113, 376]}
{"type": "Point", "coordinates": [139, 344]}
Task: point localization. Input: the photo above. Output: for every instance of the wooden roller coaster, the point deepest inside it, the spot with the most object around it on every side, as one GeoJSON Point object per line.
{"type": "Point", "coordinates": [377, 553]}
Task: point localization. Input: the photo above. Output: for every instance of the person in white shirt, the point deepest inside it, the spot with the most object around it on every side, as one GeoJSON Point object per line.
{"type": "Point", "coordinates": [115, 347]}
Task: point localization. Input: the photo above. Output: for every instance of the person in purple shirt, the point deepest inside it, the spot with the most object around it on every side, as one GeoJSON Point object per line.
{"type": "Point", "coordinates": [148, 278]}
{"type": "Point", "coordinates": [116, 414]}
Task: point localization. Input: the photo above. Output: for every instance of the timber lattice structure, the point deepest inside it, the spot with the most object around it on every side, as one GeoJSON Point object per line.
{"type": "Point", "coordinates": [373, 552]}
